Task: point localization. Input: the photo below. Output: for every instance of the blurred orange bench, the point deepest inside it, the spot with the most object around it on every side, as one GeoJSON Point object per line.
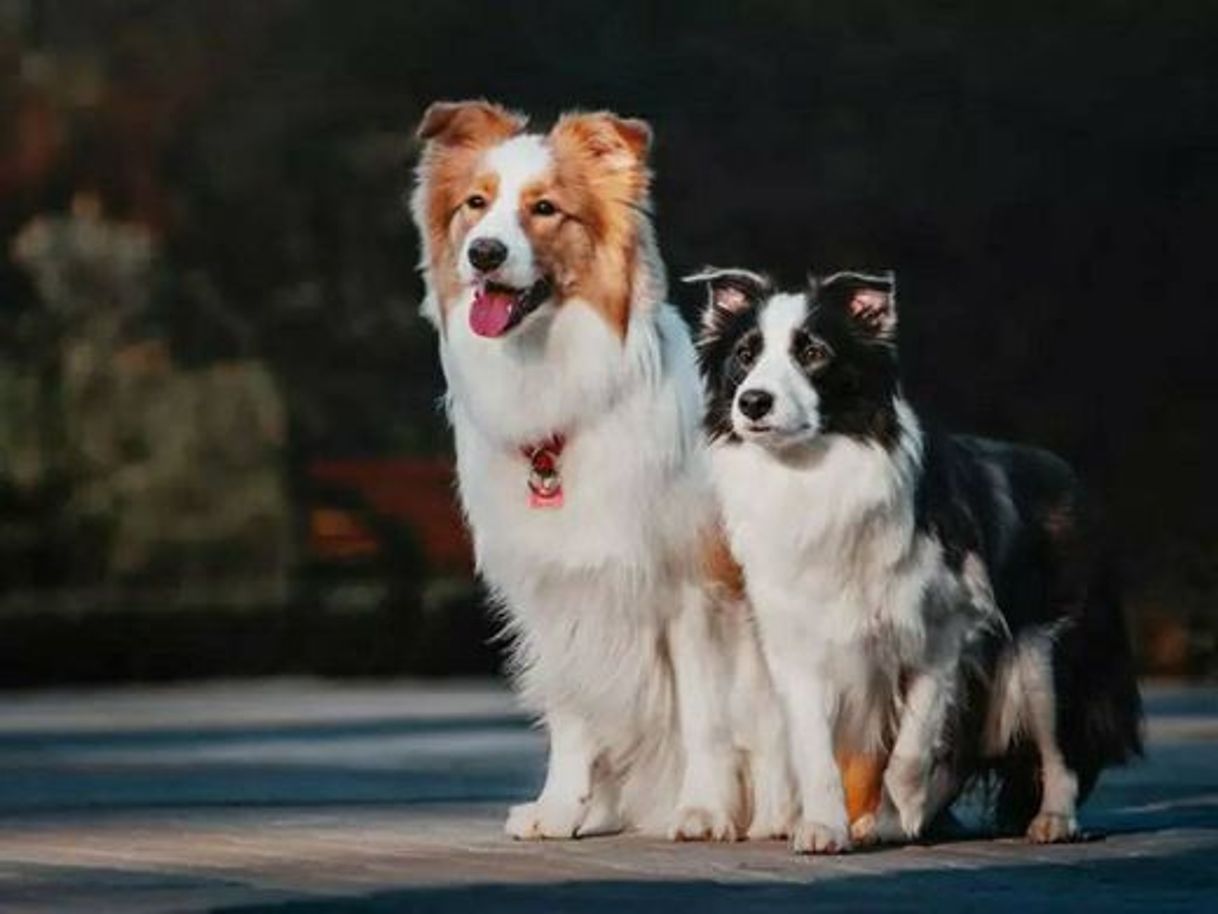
{"type": "Point", "coordinates": [418, 492]}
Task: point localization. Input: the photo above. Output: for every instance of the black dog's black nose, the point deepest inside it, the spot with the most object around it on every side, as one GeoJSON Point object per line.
{"type": "Point", "coordinates": [755, 403]}
{"type": "Point", "coordinates": [487, 253]}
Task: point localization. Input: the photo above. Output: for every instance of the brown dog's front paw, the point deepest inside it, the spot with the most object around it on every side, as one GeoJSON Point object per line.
{"type": "Point", "coordinates": [697, 823]}
{"type": "Point", "coordinates": [817, 838]}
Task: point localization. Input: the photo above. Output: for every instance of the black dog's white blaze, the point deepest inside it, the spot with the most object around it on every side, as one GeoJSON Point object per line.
{"type": "Point", "coordinates": [1044, 705]}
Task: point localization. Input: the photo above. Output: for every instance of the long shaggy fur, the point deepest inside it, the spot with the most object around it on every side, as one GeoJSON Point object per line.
{"type": "Point", "coordinates": [618, 643]}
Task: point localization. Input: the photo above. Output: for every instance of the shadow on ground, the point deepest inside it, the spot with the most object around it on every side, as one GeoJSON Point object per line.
{"type": "Point", "coordinates": [1145, 883]}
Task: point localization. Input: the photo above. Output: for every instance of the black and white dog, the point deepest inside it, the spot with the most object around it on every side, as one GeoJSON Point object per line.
{"type": "Point", "coordinates": [922, 596]}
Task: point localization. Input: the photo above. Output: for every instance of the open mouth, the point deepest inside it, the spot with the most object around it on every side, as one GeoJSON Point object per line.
{"type": "Point", "coordinates": [498, 308]}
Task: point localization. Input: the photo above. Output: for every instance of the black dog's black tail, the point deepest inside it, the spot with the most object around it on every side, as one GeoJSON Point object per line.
{"type": "Point", "coordinates": [1099, 708]}
{"type": "Point", "coordinates": [1100, 723]}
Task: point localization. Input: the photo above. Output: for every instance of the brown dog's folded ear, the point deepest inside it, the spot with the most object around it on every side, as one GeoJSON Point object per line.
{"type": "Point", "coordinates": [868, 299]}
{"type": "Point", "coordinates": [635, 133]}
{"type": "Point", "coordinates": [615, 140]}
{"type": "Point", "coordinates": [468, 123]}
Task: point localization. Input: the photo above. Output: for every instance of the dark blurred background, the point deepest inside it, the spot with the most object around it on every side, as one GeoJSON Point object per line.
{"type": "Point", "coordinates": [219, 445]}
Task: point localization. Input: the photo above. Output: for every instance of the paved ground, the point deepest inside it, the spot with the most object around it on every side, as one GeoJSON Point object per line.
{"type": "Point", "coordinates": [302, 796]}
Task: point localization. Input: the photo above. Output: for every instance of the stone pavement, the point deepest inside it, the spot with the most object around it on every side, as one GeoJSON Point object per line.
{"type": "Point", "coordinates": [298, 795]}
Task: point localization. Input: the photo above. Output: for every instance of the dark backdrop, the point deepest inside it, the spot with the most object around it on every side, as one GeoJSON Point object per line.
{"type": "Point", "coordinates": [1042, 177]}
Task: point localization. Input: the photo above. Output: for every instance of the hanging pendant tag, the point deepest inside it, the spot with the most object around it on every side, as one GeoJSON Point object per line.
{"type": "Point", "coordinates": [545, 485]}
{"type": "Point", "coordinates": [545, 501]}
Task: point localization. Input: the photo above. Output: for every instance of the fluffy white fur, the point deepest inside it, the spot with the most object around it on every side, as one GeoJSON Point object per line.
{"type": "Point", "coordinates": [652, 691]}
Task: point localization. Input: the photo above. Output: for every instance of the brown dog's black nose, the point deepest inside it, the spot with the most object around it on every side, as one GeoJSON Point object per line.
{"type": "Point", "coordinates": [487, 253]}
{"type": "Point", "coordinates": [755, 403]}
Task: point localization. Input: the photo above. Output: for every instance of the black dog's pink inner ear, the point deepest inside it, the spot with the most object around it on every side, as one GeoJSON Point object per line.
{"type": "Point", "coordinates": [730, 297]}
{"type": "Point", "coordinates": [873, 309]}
{"type": "Point", "coordinates": [731, 290]}
{"type": "Point", "coordinates": [867, 299]}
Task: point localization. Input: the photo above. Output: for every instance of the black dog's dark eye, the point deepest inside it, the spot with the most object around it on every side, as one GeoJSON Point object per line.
{"type": "Point", "coordinates": [544, 208]}
{"type": "Point", "coordinates": [811, 352]}
{"type": "Point", "coordinates": [746, 352]}
{"type": "Point", "coordinates": [477, 201]}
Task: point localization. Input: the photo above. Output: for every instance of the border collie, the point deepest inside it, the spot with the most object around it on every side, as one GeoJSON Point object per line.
{"type": "Point", "coordinates": [574, 397]}
{"type": "Point", "coordinates": [923, 598]}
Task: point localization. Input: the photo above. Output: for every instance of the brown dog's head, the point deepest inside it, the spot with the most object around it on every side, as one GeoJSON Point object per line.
{"type": "Point", "coordinates": [515, 222]}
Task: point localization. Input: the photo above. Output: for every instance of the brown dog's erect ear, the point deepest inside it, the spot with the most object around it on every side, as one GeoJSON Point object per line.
{"type": "Point", "coordinates": [728, 291]}
{"type": "Point", "coordinates": [468, 123]}
{"type": "Point", "coordinates": [868, 299]}
{"type": "Point", "coordinates": [635, 133]}
{"type": "Point", "coordinates": [615, 141]}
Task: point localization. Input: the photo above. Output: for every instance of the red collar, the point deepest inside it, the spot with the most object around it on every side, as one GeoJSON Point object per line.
{"type": "Point", "coordinates": [545, 482]}
{"type": "Point", "coordinates": [552, 445]}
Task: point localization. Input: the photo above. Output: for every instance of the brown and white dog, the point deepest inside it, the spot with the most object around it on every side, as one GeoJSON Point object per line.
{"type": "Point", "coordinates": [576, 404]}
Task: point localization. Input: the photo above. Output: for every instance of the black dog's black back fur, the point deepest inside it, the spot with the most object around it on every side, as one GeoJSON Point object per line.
{"type": "Point", "coordinates": [1020, 509]}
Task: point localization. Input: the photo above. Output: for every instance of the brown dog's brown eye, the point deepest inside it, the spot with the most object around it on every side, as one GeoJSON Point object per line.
{"type": "Point", "coordinates": [477, 201]}
{"type": "Point", "coordinates": [544, 208]}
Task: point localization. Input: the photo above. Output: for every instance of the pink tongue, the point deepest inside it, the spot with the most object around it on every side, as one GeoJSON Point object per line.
{"type": "Point", "coordinates": [491, 312]}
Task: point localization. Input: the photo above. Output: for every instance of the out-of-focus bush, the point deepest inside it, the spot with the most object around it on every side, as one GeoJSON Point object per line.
{"type": "Point", "coordinates": [177, 472]}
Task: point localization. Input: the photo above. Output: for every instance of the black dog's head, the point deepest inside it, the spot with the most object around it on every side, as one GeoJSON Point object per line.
{"type": "Point", "coordinates": [782, 368]}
